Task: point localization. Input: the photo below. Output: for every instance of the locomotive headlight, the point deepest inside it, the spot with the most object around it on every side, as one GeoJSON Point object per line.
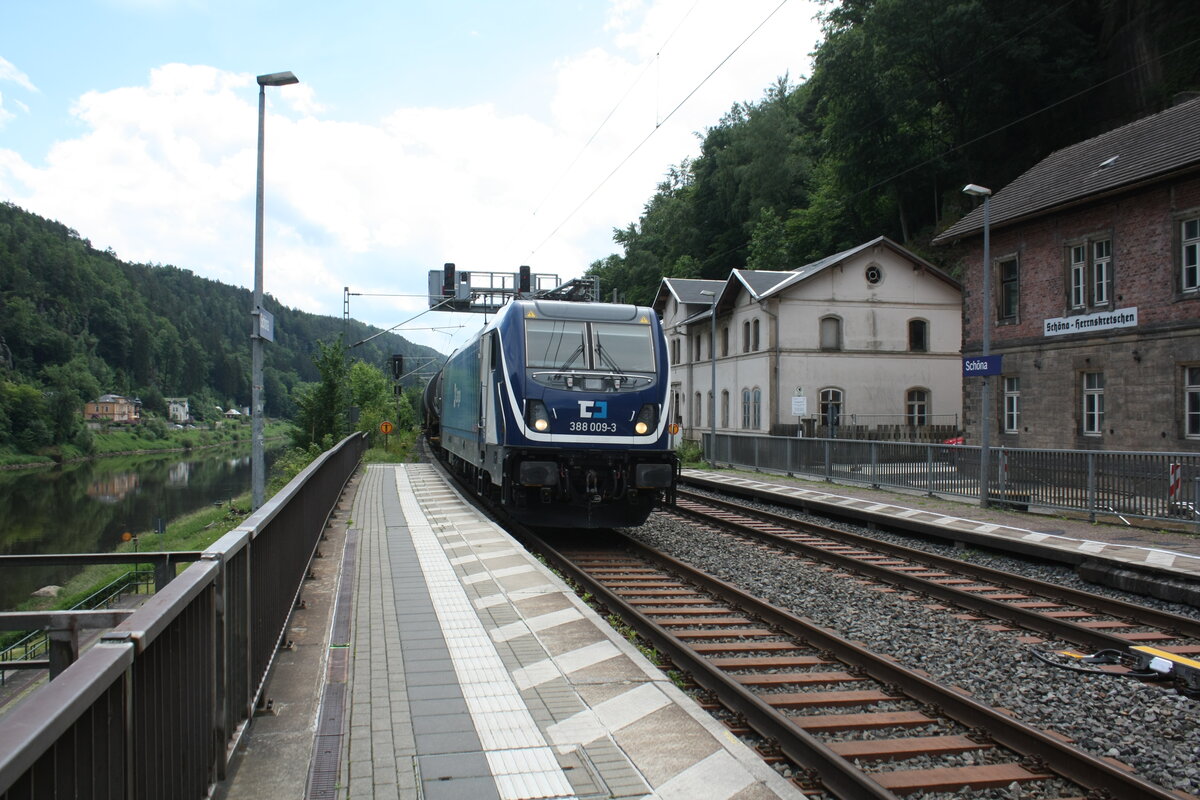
{"type": "Point", "coordinates": [536, 416]}
{"type": "Point", "coordinates": [646, 419]}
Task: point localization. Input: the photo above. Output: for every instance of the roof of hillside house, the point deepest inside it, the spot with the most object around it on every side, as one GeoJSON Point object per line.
{"type": "Point", "coordinates": [1140, 152]}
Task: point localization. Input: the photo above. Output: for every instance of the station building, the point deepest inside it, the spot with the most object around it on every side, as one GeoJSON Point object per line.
{"type": "Point", "coordinates": [867, 340]}
{"type": "Point", "coordinates": [1095, 272]}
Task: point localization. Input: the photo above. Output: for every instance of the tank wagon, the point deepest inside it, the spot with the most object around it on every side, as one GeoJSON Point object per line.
{"type": "Point", "coordinates": [557, 411]}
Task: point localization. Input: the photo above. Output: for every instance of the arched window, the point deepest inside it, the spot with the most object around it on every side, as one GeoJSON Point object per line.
{"type": "Point", "coordinates": [916, 407]}
{"type": "Point", "coordinates": [724, 408]}
{"type": "Point", "coordinates": [831, 333]}
{"type": "Point", "coordinates": [696, 419]}
{"type": "Point", "coordinates": [918, 336]}
{"type": "Point", "coordinates": [756, 409]}
{"type": "Point", "coordinates": [754, 335]}
{"type": "Point", "coordinates": [831, 407]}
{"type": "Point", "coordinates": [725, 341]}
{"type": "Point", "coordinates": [746, 408]}
{"type": "Point", "coordinates": [746, 336]}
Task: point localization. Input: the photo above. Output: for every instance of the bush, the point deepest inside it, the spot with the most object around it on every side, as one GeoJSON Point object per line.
{"type": "Point", "coordinates": [690, 454]}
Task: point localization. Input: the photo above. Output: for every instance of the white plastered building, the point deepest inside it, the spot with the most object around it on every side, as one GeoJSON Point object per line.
{"type": "Point", "coordinates": [870, 338]}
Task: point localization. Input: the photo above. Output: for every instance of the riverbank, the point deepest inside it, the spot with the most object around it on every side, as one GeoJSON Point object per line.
{"type": "Point", "coordinates": [128, 442]}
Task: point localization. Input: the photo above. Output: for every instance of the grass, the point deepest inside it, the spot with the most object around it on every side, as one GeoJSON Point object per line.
{"type": "Point", "coordinates": [401, 448]}
{"type": "Point", "coordinates": [194, 531]}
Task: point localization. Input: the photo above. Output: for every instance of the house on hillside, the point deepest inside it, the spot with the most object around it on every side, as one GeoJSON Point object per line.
{"type": "Point", "coordinates": [178, 411]}
{"type": "Point", "coordinates": [867, 339]}
{"type": "Point", "coordinates": [114, 408]}
{"type": "Point", "coordinates": [1095, 293]}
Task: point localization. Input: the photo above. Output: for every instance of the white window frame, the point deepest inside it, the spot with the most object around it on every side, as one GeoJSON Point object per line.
{"type": "Point", "coordinates": [756, 408]}
{"type": "Point", "coordinates": [1012, 404]}
{"type": "Point", "coordinates": [1191, 402]}
{"type": "Point", "coordinates": [916, 408]}
{"type": "Point", "coordinates": [831, 399]}
{"type": "Point", "coordinates": [1189, 254]}
{"type": "Point", "coordinates": [1092, 388]}
{"type": "Point", "coordinates": [1102, 272]}
{"type": "Point", "coordinates": [1078, 273]}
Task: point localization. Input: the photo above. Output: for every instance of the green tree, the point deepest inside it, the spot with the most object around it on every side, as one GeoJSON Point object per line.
{"type": "Point", "coordinates": [321, 407]}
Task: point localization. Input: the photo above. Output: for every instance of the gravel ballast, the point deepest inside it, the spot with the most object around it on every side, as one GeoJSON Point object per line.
{"type": "Point", "coordinates": [1149, 727]}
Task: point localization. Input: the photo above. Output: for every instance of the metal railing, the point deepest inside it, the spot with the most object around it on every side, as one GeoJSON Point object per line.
{"type": "Point", "coordinates": [1123, 484]}
{"type": "Point", "coordinates": [157, 707]}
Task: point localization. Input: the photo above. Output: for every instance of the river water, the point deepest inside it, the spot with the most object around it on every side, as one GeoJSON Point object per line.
{"type": "Point", "coordinates": [87, 507]}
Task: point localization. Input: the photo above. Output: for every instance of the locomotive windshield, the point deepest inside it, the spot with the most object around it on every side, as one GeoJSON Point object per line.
{"type": "Point", "coordinates": [591, 356]}
{"type": "Point", "coordinates": [555, 344]}
{"type": "Point", "coordinates": [623, 348]}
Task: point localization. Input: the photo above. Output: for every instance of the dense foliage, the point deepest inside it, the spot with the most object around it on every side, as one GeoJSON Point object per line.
{"type": "Point", "coordinates": [76, 323]}
{"type": "Point", "coordinates": [909, 100]}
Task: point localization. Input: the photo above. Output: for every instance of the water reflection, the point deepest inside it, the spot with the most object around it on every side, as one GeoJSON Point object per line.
{"type": "Point", "coordinates": [84, 508]}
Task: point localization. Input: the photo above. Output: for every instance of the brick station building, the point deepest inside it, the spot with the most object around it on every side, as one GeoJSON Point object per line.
{"type": "Point", "coordinates": [1096, 293]}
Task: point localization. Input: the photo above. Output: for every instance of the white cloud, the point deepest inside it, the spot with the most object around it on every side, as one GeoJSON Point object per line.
{"type": "Point", "coordinates": [165, 172]}
{"type": "Point", "coordinates": [9, 73]}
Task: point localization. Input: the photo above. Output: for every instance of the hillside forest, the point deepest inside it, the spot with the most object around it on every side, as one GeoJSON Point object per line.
{"type": "Point", "coordinates": [908, 101]}
{"type": "Point", "coordinates": [76, 322]}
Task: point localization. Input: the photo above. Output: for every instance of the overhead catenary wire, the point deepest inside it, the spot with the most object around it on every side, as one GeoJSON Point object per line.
{"type": "Point", "coordinates": [657, 125]}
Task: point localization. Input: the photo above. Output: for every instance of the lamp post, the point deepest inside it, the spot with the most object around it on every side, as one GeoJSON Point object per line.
{"type": "Point", "coordinates": [258, 472]}
{"type": "Point", "coordinates": [712, 354]}
{"type": "Point", "coordinates": [985, 422]}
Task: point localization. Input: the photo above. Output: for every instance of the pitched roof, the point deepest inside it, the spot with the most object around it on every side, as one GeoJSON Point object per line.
{"type": "Point", "coordinates": [685, 290]}
{"type": "Point", "coordinates": [759, 281]}
{"type": "Point", "coordinates": [1142, 151]}
{"type": "Point", "coordinates": [808, 270]}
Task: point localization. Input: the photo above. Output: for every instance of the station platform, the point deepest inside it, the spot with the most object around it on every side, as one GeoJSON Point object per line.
{"type": "Point", "coordinates": [458, 666]}
{"type": "Point", "coordinates": [1121, 554]}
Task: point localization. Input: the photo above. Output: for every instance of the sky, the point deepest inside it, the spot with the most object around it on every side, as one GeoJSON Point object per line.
{"type": "Point", "coordinates": [486, 134]}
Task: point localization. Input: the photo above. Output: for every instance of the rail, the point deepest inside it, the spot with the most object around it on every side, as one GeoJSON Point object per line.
{"type": "Point", "coordinates": [1122, 484]}
{"type": "Point", "coordinates": [158, 705]}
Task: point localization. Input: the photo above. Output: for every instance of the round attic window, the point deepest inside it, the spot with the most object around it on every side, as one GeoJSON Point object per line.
{"type": "Point", "coordinates": [874, 274]}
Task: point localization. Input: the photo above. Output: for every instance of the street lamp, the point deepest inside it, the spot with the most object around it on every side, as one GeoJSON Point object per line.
{"type": "Point", "coordinates": [258, 472]}
{"type": "Point", "coordinates": [712, 354]}
{"type": "Point", "coordinates": [985, 422]}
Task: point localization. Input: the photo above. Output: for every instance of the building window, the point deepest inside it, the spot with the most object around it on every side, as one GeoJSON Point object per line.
{"type": "Point", "coordinates": [831, 407]}
{"type": "Point", "coordinates": [1010, 289]}
{"type": "Point", "coordinates": [1078, 275]}
{"type": "Point", "coordinates": [1101, 272]}
{"type": "Point", "coordinates": [696, 418]}
{"type": "Point", "coordinates": [916, 407]}
{"type": "Point", "coordinates": [918, 336]}
{"type": "Point", "coordinates": [725, 408]}
{"type": "Point", "coordinates": [1012, 404]}
{"type": "Point", "coordinates": [746, 408]}
{"type": "Point", "coordinates": [1190, 234]}
{"type": "Point", "coordinates": [674, 351]}
{"type": "Point", "coordinates": [746, 336]}
{"type": "Point", "coordinates": [754, 336]}
{"type": "Point", "coordinates": [831, 333]}
{"type": "Point", "coordinates": [1093, 403]}
{"type": "Point", "coordinates": [1191, 402]}
{"type": "Point", "coordinates": [756, 408]}
{"type": "Point", "coordinates": [725, 341]}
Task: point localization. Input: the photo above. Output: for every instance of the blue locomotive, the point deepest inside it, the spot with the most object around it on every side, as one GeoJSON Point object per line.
{"type": "Point", "coordinates": [558, 411]}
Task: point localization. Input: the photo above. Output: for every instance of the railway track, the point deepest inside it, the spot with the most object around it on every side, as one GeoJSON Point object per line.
{"type": "Point", "coordinates": [856, 724]}
{"type": "Point", "coordinates": [1081, 618]}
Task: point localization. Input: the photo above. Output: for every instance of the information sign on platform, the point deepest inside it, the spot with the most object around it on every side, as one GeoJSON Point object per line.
{"type": "Point", "coordinates": [980, 365]}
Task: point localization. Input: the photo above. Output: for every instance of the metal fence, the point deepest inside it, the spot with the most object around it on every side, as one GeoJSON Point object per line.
{"type": "Point", "coordinates": [1125, 484]}
{"type": "Point", "coordinates": [157, 707]}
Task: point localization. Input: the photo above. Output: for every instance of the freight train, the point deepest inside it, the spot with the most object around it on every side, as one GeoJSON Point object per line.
{"type": "Point", "coordinates": [557, 411]}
